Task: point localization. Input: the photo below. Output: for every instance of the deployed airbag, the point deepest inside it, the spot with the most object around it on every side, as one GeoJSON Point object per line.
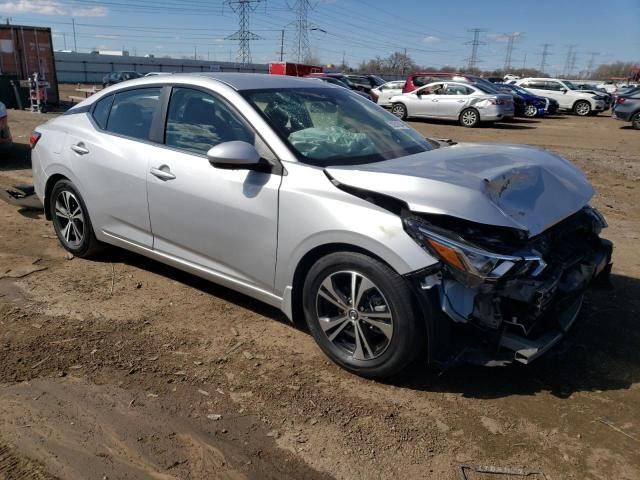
{"type": "Point", "coordinates": [327, 142]}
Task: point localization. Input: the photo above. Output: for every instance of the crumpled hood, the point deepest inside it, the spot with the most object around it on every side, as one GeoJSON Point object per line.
{"type": "Point", "coordinates": [515, 186]}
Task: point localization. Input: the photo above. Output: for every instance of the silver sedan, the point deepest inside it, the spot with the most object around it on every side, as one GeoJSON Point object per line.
{"type": "Point", "coordinates": [467, 103]}
{"type": "Point", "coordinates": [319, 202]}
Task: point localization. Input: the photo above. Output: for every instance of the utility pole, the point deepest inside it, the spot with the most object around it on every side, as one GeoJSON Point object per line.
{"type": "Point", "coordinates": [524, 62]}
{"type": "Point", "coordinates": [282, 45]}
{"type": "Point", "coordinates": [475, 43]}
{"type": "Point", "coordinates": [195, 52]}
{"type": "Point", "coordinates": [75, 43]}
{"type": "Point", "coordinates": [511, 37]}
{"type": "Point", "coordinates": [243, 8]}
{"type": "Point", "coordinates": [545, 54]}
{"type": "Point", "coordinates": [64, 39]}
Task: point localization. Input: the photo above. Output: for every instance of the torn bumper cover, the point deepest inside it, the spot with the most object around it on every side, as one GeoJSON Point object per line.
{"type": "Point", "coordinates": [519, 304]}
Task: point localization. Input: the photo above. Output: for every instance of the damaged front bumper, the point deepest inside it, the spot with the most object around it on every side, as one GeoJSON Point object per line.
{"type": "Point", "coordinates": [519, 316]}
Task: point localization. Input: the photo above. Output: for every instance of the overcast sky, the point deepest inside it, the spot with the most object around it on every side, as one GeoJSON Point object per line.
{"type": "Point", "coordinates": [433, 32]}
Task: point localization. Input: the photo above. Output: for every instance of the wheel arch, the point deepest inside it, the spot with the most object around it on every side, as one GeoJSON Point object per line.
{"type": "Point", "coordinates": [51, 181]}
{"type": "Point", "coordinates": [307, 261]}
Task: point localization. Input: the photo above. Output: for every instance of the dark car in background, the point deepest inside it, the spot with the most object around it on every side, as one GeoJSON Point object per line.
{"type": "Point", "coordinates": [589, 87]}
{"type": "Point", "coordinates": [366, 82]}
{"type": "Point", "coordinates": [117, 77]}
{"type": "Point", "coordinates": [627, 107]}
{"type": "Point", "coordinates": [526, 104]}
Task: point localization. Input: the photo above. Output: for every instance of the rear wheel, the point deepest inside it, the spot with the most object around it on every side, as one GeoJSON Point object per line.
{"type": "Point", "coordinates": [635, 121]}
{"type": "Point", "coordinates": [362, 314]}
{"type": "Point", "coordinates": [469, 117]}
{"type": "Point", "coordinates": [399, 110]}
{"type": "Point", "coordinates": [71, 220]}
{"type": "Point", "coordinates": [582, 108]}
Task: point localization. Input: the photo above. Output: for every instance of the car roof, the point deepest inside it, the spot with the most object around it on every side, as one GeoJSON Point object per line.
{"type": "Point", "coordinates": [237, 81]}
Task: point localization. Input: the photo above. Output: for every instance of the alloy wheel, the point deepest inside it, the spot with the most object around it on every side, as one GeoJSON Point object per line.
{"type": "Point", "coordinates": [530, 111]}
{"type": "Point", "coordinates": [69, 218]}
{"type": "Point", "coordinates": [354, 315]}
{"type": "Point", "coordinates": [583, 108]}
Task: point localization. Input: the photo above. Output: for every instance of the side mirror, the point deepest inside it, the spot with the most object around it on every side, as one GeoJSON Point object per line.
{"type": "Point", "coordinates": [419, 93]}
{"type": "Point", "coordinates": [236, 155]}
{"type": "Point", "coordinates": [563, 90]}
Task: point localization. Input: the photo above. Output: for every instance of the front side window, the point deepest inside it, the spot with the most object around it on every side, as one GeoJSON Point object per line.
{"type": "Point", "coordinates": [132, 112]}
{"type": "Point", "coordinates": [197, 121]}
{"type": "Point", "coordinates": [330, 126]}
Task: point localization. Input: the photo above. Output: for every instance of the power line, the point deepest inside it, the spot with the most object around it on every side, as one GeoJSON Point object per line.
{"type": "Point", "coordinates": [545, 54]}
{"type": "Point", "coordinates": [475, 43]}
{"type": "Point", "coordinates": [243, 8]}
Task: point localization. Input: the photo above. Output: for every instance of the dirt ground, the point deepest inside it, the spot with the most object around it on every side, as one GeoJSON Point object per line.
{"type": "Point", "coordinates": [120, 367]}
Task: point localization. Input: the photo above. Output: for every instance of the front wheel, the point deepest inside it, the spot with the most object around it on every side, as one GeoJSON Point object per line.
{"type": "Point", "coordinates": [582, 108]}
{"type": "Point", "coordinates": [399, 110]}
{"type": "Point", "coordinates": [470, 117]}
{"type": "Point", "coordinates": [362, 314]}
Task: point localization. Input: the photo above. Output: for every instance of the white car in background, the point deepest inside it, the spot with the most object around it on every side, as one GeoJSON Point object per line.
{"type": "Point", "coordinates": [580, 102]}
{"type": "Point", "coordinates": [382, 94]}
{"type": "Point", "coordinates": [467, 103]}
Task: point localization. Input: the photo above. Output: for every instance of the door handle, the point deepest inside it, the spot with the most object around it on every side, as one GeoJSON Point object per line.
{"type": "Point", "coordinates": [461, 101]}
{"type": "Point", "coordinates": [162, 172]}
{"type": "Point", "coordinates": [434, 100]}
{"type": "Point", "coordinates": [79, 148]}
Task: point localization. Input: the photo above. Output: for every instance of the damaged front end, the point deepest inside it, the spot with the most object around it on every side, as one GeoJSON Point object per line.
{"type": "Point", "coordinates": [521, 293]}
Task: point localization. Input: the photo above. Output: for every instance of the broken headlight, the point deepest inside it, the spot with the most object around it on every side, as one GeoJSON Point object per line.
{"type": "Point", "coordinates": [469, 264]}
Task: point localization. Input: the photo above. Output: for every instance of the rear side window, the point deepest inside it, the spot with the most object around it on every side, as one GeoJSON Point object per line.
{"type": "Point", "coordinates": [132, 112]}
{"type": "Point", "coordinates": [101, 111]}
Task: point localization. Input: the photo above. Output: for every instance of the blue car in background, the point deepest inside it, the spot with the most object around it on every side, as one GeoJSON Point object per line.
{"type": "Point", "coordinates": [527, 104]}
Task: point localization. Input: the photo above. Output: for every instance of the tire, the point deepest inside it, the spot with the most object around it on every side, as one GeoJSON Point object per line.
{"type": "Point", "coordinates": [75, 233]}
{"type": "Point", "coordinates": [369, 347]}
{"type": "Point", "coordinates": [530, 111]}
{"type": "Point", "coordinates": [582, 108]}
{"type": "Point", "coordinates": [635, 121]}
{"type": "Point", "coordinates": [469, 117]}
{"type": "Point", "coordinates": [399, 110]}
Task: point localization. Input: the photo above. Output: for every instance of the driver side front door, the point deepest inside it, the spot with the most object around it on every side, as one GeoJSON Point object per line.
{"type": "Point", "coordinates": [220, 221]}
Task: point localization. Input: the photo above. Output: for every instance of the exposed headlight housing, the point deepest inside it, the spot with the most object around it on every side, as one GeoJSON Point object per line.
{"type": "Point", "coordinates": [469, 264]}
{"type": "Point", "coordinates": [598, 97]}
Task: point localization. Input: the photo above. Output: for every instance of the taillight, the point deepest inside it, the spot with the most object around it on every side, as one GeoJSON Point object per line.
{"type": "Point", "coordinates": [35, 136]}
{"type": "Point", "coordinates": [620, 100]}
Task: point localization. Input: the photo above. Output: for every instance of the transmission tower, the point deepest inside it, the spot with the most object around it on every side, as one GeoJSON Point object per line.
{"type": "Point", "coordinates": [511, 38]}
{"type": "Point", "coordinates": [243, 8]}
{"type": "Point", "coordinates": [475, 43]}
{"type": "Point", "coordinates": [592, 62]}
{"type": "Point", "coordinates": [545, 54]}
{"type": "Point", "coordinates": [570, 61]}
{"type": "Point", "coordinates": [301, 43]}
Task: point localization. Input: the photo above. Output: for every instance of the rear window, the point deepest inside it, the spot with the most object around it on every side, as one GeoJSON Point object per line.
{"type": "Point", "coordinates": [101, 111]}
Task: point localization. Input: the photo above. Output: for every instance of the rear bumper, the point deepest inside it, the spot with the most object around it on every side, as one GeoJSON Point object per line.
{"type": "Point", "coordinates": [624, 116]}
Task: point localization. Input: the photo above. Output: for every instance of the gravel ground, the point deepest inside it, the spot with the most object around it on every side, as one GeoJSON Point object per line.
{"type": "Point", "coordinates": [120, 367]}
